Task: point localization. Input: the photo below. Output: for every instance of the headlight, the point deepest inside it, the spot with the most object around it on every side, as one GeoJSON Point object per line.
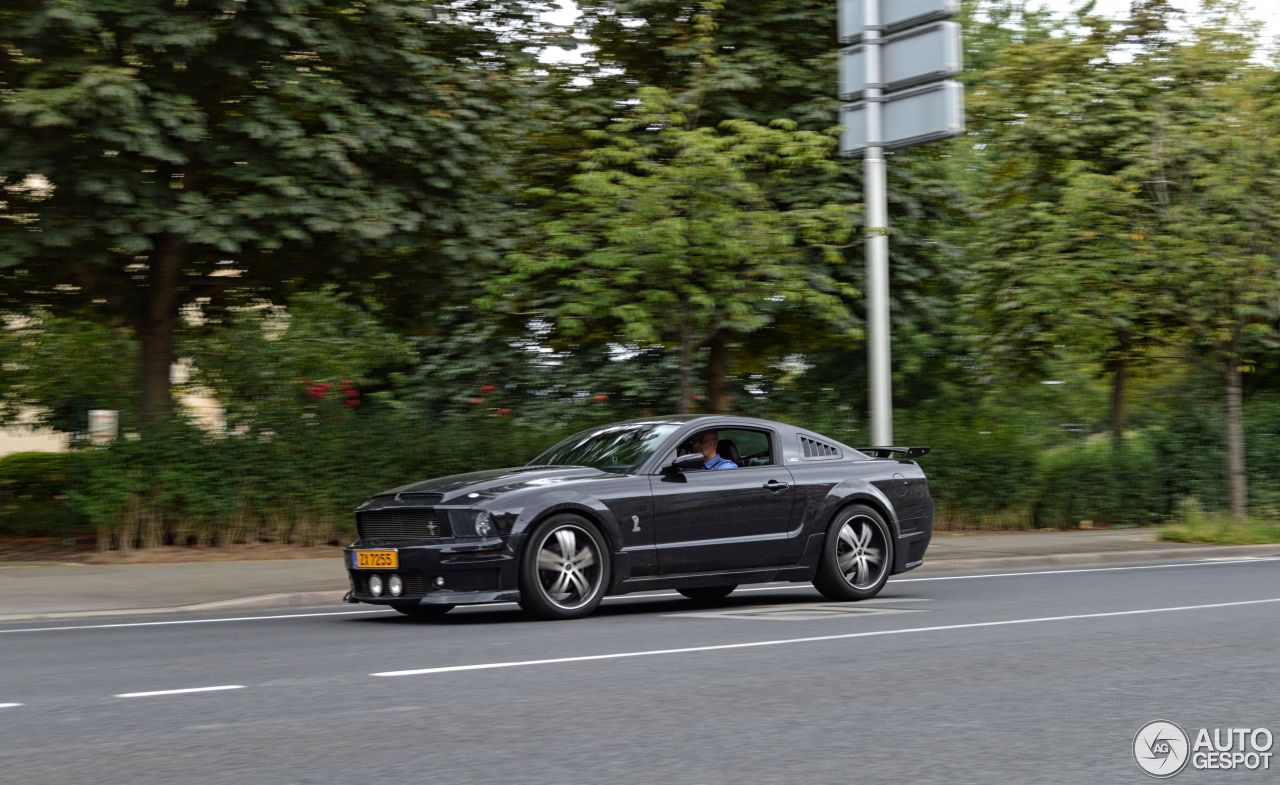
{"type": "Point", "coordinates": [395, 585]}
{"type": "Point", "coordinates": [375, 585]}
{"type": "Point", "coordinates": [472, 523]}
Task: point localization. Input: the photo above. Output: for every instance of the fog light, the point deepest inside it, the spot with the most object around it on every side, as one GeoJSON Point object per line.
{"type": "Point", "coordinates": [395, 585]}
{"type": "Point", "coordinates": [439, 580]}
{"type": "Point", "coordinates": [375, 585]}
{"type": "Point", "coordinates": [484, 525]}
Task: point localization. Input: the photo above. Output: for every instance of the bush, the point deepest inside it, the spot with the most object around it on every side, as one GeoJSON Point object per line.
{"type": "Point", "coordinates": [298, 484]}
{"type": "Point", "coordinates": [981, 471]}
{"type": "Point", "coordinates": [1092, 481]}
{"type": "Point", "coordinates": [1196, 525]}
{"type": "Point", "coordinates": [33, 487]}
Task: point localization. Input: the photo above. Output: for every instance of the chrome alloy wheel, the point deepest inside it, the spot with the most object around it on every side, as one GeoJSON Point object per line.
{"type": "Point", "coordinates": [860, 552]}
{"type": "Point", "coordinates": [569, 568]}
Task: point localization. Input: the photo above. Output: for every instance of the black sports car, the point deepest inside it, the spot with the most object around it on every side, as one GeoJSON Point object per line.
{"type": "Point", "coordinates": [700, 504]}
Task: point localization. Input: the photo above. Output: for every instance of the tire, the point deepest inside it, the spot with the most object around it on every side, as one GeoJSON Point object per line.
{"type": "Point", "coordinates": [423, 611]}
{"type": "Point", "coordinates": [564, 569]}
{"type": "Point", "coordinates": [857, 555]}
{"type": "Point", "coordinates": [707, 594]}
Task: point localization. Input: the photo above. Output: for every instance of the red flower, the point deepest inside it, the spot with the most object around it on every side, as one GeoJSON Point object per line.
{"type": "Point", "coordinates": [319, 390]}
{"type": "Point", "coordinates": [601, 397]}
{"type": "Point", "coordinates": [475, 400]}
{"type": "Point", "coordinates": [346, 383]}
{"type": "Point", "coordinates": [503, 411]}
{"type": "Point", "coordinates": [487, 388]}
{"type": "Point", "coordinates": [352, 392]}
{"type": "Point", "coordinates": [352, 403]}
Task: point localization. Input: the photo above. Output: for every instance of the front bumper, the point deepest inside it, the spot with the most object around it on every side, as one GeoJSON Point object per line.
{"type": "Point", "coordinates": [450, 572]}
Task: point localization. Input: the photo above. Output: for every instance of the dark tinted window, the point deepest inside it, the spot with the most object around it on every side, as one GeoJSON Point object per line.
{"type": "Point", "coordinates": [753, 446]}
{"type": "Point", "coordinates": [614, 448]}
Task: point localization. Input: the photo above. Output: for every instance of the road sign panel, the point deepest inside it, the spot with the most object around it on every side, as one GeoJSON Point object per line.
{"type": "Point", "coordinates": [911, 117]}
{"type": "Point", "coordinates": [910, 58]}
{"type": "Point", "coordinates": [895, 15]}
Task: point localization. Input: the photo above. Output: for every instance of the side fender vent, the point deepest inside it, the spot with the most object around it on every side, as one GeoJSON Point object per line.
{"type": "Point", "coordinates": [817, 450]}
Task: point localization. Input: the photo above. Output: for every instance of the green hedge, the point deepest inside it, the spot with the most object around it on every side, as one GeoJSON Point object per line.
{"type": "Point", "coordinates": [183, 486]}
{"type": "Point", "coordinates": [33, 487]}
{"type": "Point", "coordinates": [299, 482]}
{"type": "Point", "coordinates": [1096, 482]}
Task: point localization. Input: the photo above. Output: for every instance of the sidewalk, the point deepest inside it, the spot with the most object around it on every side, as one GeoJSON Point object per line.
{"type": "Point", "coordinates": [46, 590]}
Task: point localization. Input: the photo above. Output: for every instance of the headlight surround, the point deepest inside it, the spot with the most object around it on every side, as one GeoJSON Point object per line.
{"type": "Point", "coordinates": [473, 523]}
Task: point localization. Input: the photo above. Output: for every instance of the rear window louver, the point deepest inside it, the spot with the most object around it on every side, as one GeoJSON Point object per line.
{"type": "Point", "coordinates": [815, 450]}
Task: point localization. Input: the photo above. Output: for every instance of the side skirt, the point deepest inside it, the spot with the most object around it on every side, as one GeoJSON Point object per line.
{"type": "Point", "coordinates": [698, 579]}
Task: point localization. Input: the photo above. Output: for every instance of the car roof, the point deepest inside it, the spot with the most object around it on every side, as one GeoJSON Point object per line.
{"type": "Point", "coordinates": [681, 419]}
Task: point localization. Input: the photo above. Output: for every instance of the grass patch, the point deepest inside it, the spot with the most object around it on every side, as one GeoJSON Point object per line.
{"type": "Point", "coordinates": [1196, 525]}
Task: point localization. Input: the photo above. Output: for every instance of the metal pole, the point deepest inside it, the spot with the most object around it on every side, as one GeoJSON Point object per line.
{"type": "Point", "coordinates": [877, 230]}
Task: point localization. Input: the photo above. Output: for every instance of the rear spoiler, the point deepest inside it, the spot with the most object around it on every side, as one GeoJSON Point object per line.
{"type": "Point", "coordinates": [889, 452]}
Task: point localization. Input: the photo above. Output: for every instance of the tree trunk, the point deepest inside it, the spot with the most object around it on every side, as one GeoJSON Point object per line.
{"type": "Point", "coordinates": [1118, 365]}
{"type": "Point", "coordinates": [685, 384]}
{"type": "Point", "coordinates": [156, 323]}
{"type": "Point", "coordinates": [717, 372]}
{"type": "Point", "coordinates": [1237, 482]}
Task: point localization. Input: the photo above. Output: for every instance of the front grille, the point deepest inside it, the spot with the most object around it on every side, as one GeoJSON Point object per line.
{"type": "Point", "coordinates": [415, 585]}
{"type": "Point", "coordinates": [404, 524]}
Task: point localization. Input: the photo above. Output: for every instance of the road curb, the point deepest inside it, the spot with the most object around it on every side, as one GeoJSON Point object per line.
{"type": "Point", "coordinates": [259, 601]}
{"type": "Point", "coordinates": [1143, 556]}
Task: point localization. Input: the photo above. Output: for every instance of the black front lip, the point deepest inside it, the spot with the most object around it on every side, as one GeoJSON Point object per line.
{"type": "Point", "coordinates": [473, 571]}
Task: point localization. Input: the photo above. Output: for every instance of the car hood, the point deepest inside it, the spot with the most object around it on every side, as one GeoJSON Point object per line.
{"type": "Point", "coordinates": [458, 488]}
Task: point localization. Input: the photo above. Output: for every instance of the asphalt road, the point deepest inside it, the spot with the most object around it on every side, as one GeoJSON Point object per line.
{"type": "Point", "coordinates": [1040, 677]}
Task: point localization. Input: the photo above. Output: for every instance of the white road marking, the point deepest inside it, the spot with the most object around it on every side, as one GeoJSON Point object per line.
{"type": "Point", "coordinates": [661, 595]}
{"type": "Point", "coordinates": [815, 639]}
{"type": "Point", "coordinates": [186, 691]}
{"type": "Point", "coordinates": [9, 705]}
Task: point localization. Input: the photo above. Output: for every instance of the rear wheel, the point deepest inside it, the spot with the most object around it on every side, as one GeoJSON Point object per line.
{"type": "Point", "coordinates": [422, 611]}
{"type": "Point", "coordinates": [564, 569]}
{"type": "Point", "coordinates": [707, 593]}
{"type": "Point", "coordinates": [856, 555]}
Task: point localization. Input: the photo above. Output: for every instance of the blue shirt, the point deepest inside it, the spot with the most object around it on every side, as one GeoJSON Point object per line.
{"type": "Point", "coordinates": [720, 462]}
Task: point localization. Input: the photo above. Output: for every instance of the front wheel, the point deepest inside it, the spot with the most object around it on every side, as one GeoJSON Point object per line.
{"type": "Point", "coordinates": [856, 555]}
{"type": "Point", "coordinates": [564, 569]}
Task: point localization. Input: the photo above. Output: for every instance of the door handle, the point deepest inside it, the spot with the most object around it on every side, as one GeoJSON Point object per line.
{"type": "Point", "coordinates": [773, 486]}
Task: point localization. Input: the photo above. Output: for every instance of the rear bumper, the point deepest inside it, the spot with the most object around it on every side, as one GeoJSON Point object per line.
{"type": "Point", "coordinates": [912, 543]}
{"type": "Point", "coordinates": [440, 573]}
{"type": "Point", "coordinates": [910, 549]}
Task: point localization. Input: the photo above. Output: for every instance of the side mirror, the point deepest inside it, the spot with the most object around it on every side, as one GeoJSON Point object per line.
{"type": "Point", "coordinates": [685, 462]}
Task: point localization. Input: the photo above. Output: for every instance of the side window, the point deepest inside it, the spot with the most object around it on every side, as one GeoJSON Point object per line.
{"type": "Point", "coordinates": [752, 446]}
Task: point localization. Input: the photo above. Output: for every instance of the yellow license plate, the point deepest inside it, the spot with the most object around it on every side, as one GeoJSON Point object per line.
{"type": "Point", "coordinates": [376, 560]}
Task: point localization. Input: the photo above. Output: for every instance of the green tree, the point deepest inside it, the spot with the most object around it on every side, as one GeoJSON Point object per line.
{"type": "Point", "coordinates": [670, 237]}
{"type": "Point", "coordinates": [55, 369]}
{"type": "Point", "coordinates": [760, 62]}
{"type": "Point", "coordinates": [264, 362]}
{"type": "Point", "coordinates": [1126, 203]}
{"type": "Point", "coordinates": [1212, 174]}
{"type": "Point", "coordinates": [158, 154]}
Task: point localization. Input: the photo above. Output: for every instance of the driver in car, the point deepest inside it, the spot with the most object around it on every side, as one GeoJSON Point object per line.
{"type": "Point", "coordinates": [708, 443]}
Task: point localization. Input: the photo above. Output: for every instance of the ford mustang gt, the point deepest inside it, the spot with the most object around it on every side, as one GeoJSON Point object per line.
{"type": "Point", "coordinates": [700, 504]}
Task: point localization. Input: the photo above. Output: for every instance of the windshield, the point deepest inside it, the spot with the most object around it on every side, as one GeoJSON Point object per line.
{"type": "Point", "coordinates": [614, 448]}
